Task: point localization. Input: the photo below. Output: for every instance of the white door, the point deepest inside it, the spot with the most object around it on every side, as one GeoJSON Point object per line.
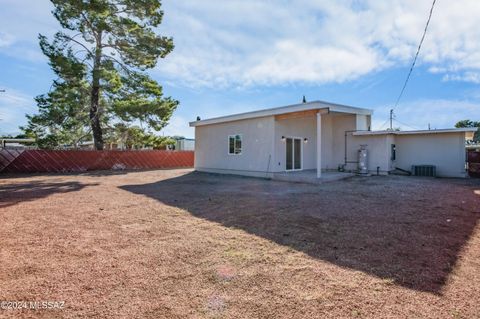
{"type": "Point", "coordinates": [294, 154]}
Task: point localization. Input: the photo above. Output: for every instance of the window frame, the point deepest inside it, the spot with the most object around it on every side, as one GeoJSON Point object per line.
{"type": "Point", "coordinates": [234, 142]}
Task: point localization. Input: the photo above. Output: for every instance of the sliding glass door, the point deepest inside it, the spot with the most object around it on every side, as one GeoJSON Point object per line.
{"type": "Point", "coordinates": [294, 154]}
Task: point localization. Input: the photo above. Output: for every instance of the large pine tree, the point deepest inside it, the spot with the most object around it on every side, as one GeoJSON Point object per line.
{"type": "Point", "coordinates": [100, 58]}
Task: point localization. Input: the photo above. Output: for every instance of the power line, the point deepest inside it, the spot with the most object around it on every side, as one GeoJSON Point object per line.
{"type": "Point", "coordinates": [412, 66]}
{"type": "Point", "coordinates": [383, 125]}
{"type": "Point", "coordinates": [416, 55]}
{"type": "Point", "coordinates": [407, 125]}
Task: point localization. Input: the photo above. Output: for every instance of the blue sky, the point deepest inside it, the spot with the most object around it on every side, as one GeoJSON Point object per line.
{"type": "Point", "coordinates": [242, 55]}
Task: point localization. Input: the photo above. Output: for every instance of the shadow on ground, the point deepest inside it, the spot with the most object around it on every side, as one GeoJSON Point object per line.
{"type": "Point", "coordinates": [406, 230]}
{"type": "Point", "coordinates": [14, 193]}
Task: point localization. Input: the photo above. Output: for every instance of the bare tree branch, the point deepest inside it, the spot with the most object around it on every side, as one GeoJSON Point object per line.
{"type": "Point", "coordinates": [119, 63]}
{"type": "Point", "coordinates": [90, 25]}
{"type": "Point", "coordinates": [77, 42]}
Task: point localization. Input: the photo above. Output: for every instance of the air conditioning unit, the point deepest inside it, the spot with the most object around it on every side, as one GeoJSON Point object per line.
{"type": "Point", "coordinates": [424, 170]}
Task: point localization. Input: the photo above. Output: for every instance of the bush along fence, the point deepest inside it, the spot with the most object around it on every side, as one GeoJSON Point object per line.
{"type": "Point", "coordinates": [56, 161]}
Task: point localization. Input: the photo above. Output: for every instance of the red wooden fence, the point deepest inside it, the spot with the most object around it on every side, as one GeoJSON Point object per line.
{"type": "Point", "coordinates": [41, 161]}
{"type": "Point", "coordinates": [474, 164]}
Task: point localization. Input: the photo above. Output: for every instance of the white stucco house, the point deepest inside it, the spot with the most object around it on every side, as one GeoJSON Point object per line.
{"type": "Point", "coordinates": [319, 137]}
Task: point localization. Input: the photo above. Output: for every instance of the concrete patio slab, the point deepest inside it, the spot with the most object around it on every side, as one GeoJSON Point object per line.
{"type": "Point", "coordinates": [310, 176]}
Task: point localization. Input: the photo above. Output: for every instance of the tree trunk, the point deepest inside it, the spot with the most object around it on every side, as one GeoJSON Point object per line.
{"type": "Point", "coordinates": [94, 101]}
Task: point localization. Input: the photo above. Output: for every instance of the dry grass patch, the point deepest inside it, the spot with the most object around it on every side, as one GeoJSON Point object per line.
{"type": "Point", "coordinates": [177, 244]}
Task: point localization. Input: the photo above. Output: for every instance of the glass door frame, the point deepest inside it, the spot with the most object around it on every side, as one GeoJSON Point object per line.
{"type": "Point", "coordinates": [293, 138]}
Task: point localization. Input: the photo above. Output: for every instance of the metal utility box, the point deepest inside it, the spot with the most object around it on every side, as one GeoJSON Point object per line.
{"type": "Point", "coordinates": [424, 170]}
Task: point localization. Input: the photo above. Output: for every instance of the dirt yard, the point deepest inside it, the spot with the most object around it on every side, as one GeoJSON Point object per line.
{"type": "Point", "coordinates": [178, 244]}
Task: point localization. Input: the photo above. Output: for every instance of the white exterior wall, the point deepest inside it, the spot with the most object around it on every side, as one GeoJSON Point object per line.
{"type": "Point", "coordinates": [363, 122]}
{"type": "Point", "coordinates": [263, 151]}
{"type": "Point", "coordinates": [328, 132]}
{"type": "Point", "coordinates": [211, 147]}
{"type": "Point", "coordinates": [341, 124]}
{"type": "Point", "coordinates": [446, 151]}
{"type": "Point", "coordinates": [390, 140]}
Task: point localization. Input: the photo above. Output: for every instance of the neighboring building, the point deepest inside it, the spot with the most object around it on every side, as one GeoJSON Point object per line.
{"type": "Point", "coordinates": [473, 147]}
{"type": "Point", "coordinates": [16, 142]}
{"type": "Point", "coordinates": [185, 144]}
{"type": "Point", "coordinates": [320, 136]}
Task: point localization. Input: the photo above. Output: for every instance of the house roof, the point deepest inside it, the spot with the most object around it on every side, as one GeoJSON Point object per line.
{"type": "Point", "coordinates": [439, 131]}
{"type": "Point", "coordinates": [330, 107]}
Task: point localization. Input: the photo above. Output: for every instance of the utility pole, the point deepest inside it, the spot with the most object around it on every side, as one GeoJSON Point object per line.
{"type": "Point", "coordinates": [391, 120]}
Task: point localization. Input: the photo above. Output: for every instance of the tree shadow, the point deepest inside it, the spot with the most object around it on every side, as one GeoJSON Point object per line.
{"type": "Point", "coordinates": [92, 173]}
{"type": "Point", "coordinates": [406, 230]}
{"type": "Point", "coordinates": [14, 193]}
{"type": "Point", "coordinates": [102, 173]}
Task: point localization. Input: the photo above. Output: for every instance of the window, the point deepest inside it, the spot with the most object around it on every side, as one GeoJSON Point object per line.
{"type": "Point", "coordinates": [235, 144]}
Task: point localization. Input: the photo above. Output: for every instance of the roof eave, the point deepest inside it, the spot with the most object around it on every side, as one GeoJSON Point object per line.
{"type": "Point", "coordinates": [436, 131]}
{"type": "Point", "coordinates": [284, 110]}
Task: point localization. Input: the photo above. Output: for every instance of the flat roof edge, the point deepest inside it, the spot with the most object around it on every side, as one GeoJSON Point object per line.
{"type": "Point", "coordinates": [282, 110]}
{"type": "Point", "coordinates": [436, 131]}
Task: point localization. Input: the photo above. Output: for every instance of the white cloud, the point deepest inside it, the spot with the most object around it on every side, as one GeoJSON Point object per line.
{"type": "Point", "coordinates": [295, 61]}
{"type": "Point", "coordinates": [6, 39]}
{"type": "Point", "coordinates": [21, 22]}
{"type": "Point", "coordinates": [13, 107]}
{"type": "Point", "coordinates": [247, 42]}
{"type": "Point", "coordinates": [178, 125]}
{"type": "Point", "coordinates": [14, 99]}
{"type": "Point", "coordinates": [473, 77]}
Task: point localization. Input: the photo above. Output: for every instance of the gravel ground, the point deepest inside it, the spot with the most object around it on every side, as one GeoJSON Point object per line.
{"type": "Point", "coordinates": [179, 244]}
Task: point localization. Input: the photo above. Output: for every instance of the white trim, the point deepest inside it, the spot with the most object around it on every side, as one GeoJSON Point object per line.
{"type": "Point", "coordinates": [439, 131]}
{"type": "Point", "coordinates": [228, 144]}
{"type": "Point", "coordinates": [293, 154]}
{"type": "Point", "coordinates": [319, 144]}
{"type": "Point", "coordinates": [330, 107]}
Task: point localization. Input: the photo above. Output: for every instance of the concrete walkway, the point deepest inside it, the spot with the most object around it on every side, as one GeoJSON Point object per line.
{"type": "Point", "coordinates": [310, 176]}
